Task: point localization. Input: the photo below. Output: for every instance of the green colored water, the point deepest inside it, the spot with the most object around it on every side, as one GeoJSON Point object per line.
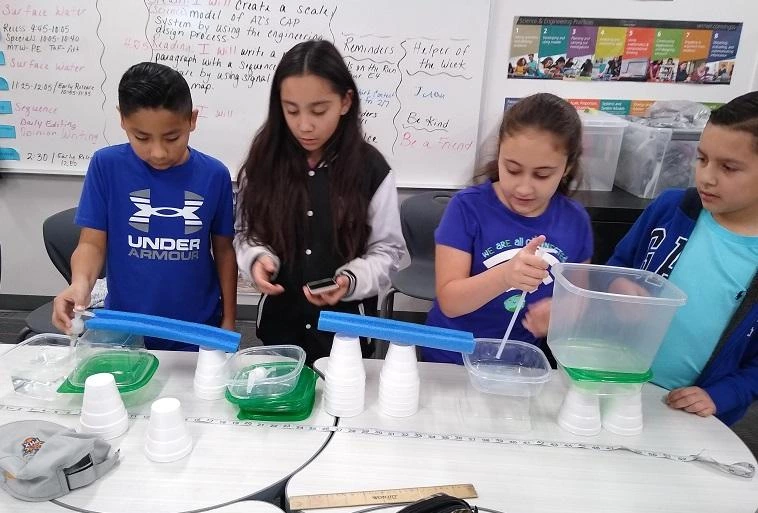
{"type": "Point", "coordinates": [577, 374]}
{"type": "Point", "coordinates": [602, 361]}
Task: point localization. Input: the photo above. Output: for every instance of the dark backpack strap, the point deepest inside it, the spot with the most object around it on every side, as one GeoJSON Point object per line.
{"type": "Point", "coordinates": [440, 503]}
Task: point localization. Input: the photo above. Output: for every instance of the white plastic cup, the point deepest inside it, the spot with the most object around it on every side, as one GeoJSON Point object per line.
{"type": "Point", "coordinates": [211, 358]}
{"type": "Point", "coordinates": [345, 401]}
{"type": "Point", "coordinates": [622, 414]}
{"type": "Point", "coordinates": [580, 413]}
{"type": "Point", "coordinates": [103, 412]}
{"type": "Point", "coordinates": [209, 390]}
{"type": "Point", "coordinates": [399, 383]}
{"type": "Point", "coordinates": [167, 438]}
{"type": "Point", "coordinates": [101, 394]}
{"type": "Point", "coordinates": [400, 357]}
{"type": "Point", "coordinates": [211, 374]}
{"type": "Point", "coordinates": [345, 346]}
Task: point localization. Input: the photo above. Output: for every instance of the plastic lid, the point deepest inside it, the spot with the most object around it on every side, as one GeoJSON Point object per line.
{"type": "Point", "coordinates": [131, 369]}
{"type": "Point", "coordinates": [596, 118]}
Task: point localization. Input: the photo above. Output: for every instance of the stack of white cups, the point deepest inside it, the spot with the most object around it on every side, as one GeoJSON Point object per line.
{"type": "Point", "coordinates": [399, 383]}
{"type": "Point", "coordinates": [167, 438]}
{"type": "Point", "coordinates": [211, 374]}
{"type": "Point", "coordinates": [103, 412]}
{"type": "Point", "coordinates": [580, 412]}
{"type": "Point", "coordinates": [622, 414]}
{"type": "Point", "coordinates": [345, 378]}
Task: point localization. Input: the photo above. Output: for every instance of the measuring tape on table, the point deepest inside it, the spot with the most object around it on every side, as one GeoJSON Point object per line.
{"type": "Point", "coordinates": [740, 469]}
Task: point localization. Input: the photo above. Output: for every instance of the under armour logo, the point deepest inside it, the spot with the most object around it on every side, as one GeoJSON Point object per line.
{"type": "Point", "coordinates": [141, 219]}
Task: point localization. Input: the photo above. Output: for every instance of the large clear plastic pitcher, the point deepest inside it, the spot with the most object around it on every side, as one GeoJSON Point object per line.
{"type": "Point", "coordinates": [607, 323]}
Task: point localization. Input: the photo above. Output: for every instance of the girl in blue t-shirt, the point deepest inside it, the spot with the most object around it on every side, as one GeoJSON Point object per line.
{"type": "Point", "coordinates": [488, 238]}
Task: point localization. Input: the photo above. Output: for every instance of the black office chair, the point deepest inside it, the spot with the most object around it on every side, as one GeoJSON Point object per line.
{"type": "Point", "coordinates": [419, 216]}
{"type": "Point", "coordinates": [61, 236]}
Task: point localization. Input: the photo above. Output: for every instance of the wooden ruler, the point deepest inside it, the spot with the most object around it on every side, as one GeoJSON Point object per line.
{"type": "Point", "coordinates": [365, 498]}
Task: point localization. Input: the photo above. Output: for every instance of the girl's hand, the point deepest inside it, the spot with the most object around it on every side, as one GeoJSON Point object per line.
{"type": "Point", "coordinates": [262, 271]}
{"type": "Point", "coordinates": [526, 270]}
{"type": "Point", "coordinates": [537, 317]}
{"type": "Point", "coordinates": [329, 298]}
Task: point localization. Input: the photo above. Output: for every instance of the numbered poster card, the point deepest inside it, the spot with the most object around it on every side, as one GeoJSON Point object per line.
{"type": "Point", "coordinates": [623, 50]}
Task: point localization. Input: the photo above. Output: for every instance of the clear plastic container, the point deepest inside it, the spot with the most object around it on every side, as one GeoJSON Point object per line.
{"type": "Point", "coordinates": [602, 134]}
{"type": "Point", "coordinates": [39, 364]}
{"type": "Point", "coordinates": [120, 354]}
{"type": "Point", "coordinates": [520, 371]}
{"type": "Point", "coordinates": [265, 371]}
{"type": "Point", "coordinates": [655, 159]}
{"type": "Point", "coordinates": [607, 323]}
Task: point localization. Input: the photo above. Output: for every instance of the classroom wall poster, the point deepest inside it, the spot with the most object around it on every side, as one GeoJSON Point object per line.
{"type": "Point", "coordinates": [619, 107]}
{"type": "Point", "coordinates": [623, 50]}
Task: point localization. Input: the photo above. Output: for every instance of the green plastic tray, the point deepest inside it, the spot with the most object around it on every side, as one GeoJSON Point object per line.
{"type": "Point", "coordinates": [130, 371]}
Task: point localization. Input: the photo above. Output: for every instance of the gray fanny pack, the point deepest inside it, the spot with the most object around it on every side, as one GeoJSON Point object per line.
{"type": "Point", "coordinates": [41, 460]}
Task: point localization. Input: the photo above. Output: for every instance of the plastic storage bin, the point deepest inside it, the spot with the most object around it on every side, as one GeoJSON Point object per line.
{"type": "Point", "coordinates": [292, 406]}
{"type": "Point", "coordinates": [602, 134]}
{"type": "Point", "coordinates": [607, 323]}
{"type": "Point", "coordinates": [39, 365]}
{"type": "Point", "coordinates": [655, 159]}
{"type": "Point", "coordinates": [265, 371]}
{"type": "Point", "coordinates": [521, 370]}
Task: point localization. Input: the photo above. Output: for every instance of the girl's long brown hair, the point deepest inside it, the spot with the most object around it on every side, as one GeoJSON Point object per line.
{"type": "Point", "coordinates": [273, 178]}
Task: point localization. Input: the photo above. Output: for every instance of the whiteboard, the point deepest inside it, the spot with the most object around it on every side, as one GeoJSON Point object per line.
{"type": "Point", "coordinates": [419, 67]}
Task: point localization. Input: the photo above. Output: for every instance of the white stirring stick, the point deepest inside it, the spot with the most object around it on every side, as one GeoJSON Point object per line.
{"type": "Point", "coordinates": [510, 325]}
{"type": "Point", "coordinates": [521, 299]}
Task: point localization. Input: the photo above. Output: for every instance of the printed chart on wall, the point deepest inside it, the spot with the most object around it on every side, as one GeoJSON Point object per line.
{"type": "Point", "coordinates": [623, 50]}
{"type": "Point", "coordinates": [418, 66]}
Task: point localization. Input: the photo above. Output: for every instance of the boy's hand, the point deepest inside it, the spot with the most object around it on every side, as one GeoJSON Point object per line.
{"type": "Point", "coordinates": [537, 317]}
{"type": "Point", "coordinates": [227, 324]}
{"type": "Point", "coordinates": [692, 399]}
{"type": "Point", "coordinates": [526, 270]}
{"type": "Point", "coordinates": [329, 298]}
{"type": "Point", "coordinates": [77, 296]}
{"type": "Point", "coordinates": [627, 287]}
{"type": "Point", "coordinates": [262, 271]}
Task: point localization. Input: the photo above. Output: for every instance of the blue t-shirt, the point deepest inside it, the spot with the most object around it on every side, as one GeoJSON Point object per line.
{"type": "Point", "coordinates": [714, 270]}
{"type": "Point", "coordinates": [159, 225]}
{"type": "Point", "coordinates": [477, 222]}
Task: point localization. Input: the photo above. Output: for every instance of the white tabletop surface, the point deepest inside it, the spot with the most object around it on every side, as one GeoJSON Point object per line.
{"type": "Point", "coordinates": [9, 504]}
{"type": "Point", "coordinates": [529, 478]}
{"type": "Point", "coordinates": [228, 463]}
{"type": "Point", "coordinates": [248, 507]}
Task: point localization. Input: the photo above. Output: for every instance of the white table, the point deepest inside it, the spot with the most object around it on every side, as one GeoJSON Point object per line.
{"type": "Point", "coordinates": [248, 507]}
{"type": "Point", "coordinates": [227, 464]}
{"type": "Point", "coordinates": [528, 478]}
{"type": "Point", "coordinates": [10, 504]}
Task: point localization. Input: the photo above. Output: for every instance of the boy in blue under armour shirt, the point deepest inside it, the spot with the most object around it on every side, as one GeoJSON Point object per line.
{"type": "Point", "coordinates": [705, 240]}
{"type": "Point", "coordinates": [157, 213]}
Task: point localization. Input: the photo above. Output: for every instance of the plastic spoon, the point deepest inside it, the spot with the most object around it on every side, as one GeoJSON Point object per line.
{"type": "Point", "coordinates": [254, 375]}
